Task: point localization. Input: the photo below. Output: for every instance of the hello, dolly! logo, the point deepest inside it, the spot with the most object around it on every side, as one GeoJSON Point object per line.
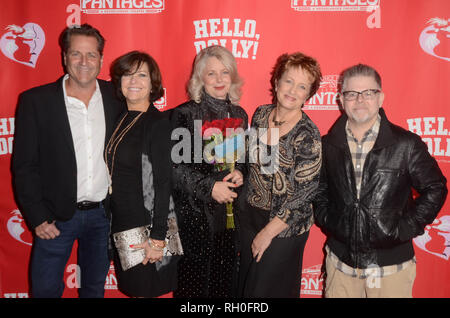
{"type": "Point", "coordinates": [435, 38]}
{"type": "Point", "coordinates": [238, 35]}
{"type": "Point", "coordinates": [433, 131]}
{"type": "Point", "coordinates": [17, 228]}
{"type": "Point", "coordinates": [436, 239]}
{"type": "Point", "coordinates": [6, 135]}
{"type": "Point", "coordinates": [121, 6]}
{"type": "Point", "coordinates": [23, 44]}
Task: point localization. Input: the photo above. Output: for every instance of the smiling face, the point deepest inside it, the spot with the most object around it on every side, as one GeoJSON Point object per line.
{"type": "Point", "coordinates": [216, 78]}
{"type": "Point", "coordinates": [361, 112]}
{"type": "Point", "coordinates": [136, 87]}
{"type": "Point", "coordinates": [83, 60]}
{"type": "Point", "coordinates": [293, 88]}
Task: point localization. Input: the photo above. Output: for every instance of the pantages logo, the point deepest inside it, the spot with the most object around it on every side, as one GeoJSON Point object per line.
{"type": "Point", "coordinates": [312, 281]}
{"type": "Point", "coordinates": [239, 36]}
{"type": "Point", "coordinates": [373, 20]}
{"type": "Point", "coordinates": [433, 132]}
{"type": "Point", "coordinates": [111, 279]}
{"type": "Point", "coordinates": [335, 5]}
{"type": "Point", "coordinates": [325, 98]}
{"type": "Point", "coordinates": [121, 6]}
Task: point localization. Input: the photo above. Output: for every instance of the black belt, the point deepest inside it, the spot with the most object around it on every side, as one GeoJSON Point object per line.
{"type": "Point", "coordinates": [88, 205]}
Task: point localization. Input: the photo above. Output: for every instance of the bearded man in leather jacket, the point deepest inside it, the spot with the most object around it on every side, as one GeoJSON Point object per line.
{"type": "Point", "coordinates": [366, 205]}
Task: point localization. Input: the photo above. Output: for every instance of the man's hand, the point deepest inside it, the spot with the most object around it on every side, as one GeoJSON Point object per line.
{"type": "Point", "coordinates": [47, 231]}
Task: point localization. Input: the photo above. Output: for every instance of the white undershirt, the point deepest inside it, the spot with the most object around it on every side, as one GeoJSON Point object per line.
{"type": "Point", "coordinates": [88, 133]}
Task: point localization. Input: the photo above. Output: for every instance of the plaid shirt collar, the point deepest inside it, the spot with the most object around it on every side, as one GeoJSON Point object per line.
{"type": "Point", "coordinates": [360, 149]}
{"type": "Point", "coordinates": [372, 132]}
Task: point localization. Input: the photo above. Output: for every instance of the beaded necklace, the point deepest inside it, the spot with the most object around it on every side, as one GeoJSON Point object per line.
{"type": "Point", "coordinates": [114, 142]}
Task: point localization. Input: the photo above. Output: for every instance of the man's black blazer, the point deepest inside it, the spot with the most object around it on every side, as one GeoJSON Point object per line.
{"type": "Point", "coordinates": [43, 161]}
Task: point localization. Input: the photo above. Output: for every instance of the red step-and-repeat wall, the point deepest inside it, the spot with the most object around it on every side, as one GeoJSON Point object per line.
{"type": "Point", "coordinates": [407, 41]}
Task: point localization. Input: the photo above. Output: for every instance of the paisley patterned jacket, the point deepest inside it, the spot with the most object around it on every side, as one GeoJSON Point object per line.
{"type": "Point", "coordinates": [289, 190]}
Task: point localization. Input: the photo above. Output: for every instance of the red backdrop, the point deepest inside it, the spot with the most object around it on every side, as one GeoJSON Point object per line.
{"type": "Point", "coordinates": [407, 41]}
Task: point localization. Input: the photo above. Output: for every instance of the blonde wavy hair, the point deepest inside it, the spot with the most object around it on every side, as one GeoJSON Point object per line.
{"type": "Point", "coordinates": [195, 84]}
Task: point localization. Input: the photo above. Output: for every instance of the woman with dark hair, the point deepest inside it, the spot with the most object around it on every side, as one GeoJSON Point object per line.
{"type": "Point", "coordinates": [209, 266]}
{"type": "Point", "coordinates": [138, 158]}
{"type": "Point", "coordinates": [277, 212]}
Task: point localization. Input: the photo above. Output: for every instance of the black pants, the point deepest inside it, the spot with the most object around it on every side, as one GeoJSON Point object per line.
{"type": "Point", "coordinates": [278, 273]}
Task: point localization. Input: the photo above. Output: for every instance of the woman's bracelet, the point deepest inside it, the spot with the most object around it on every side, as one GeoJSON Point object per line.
{"type": "Point", "coordinates": [156, 246]}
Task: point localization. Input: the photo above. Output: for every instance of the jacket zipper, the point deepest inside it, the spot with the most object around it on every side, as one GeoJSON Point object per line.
{"type": "Point", "coordinates": [356, 205]}
{"type": "Point", "coordinates": [356, 238]}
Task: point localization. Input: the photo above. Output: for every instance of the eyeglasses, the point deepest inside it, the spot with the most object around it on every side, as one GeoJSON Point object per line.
{"type": "Point", "coordinates": [366, 94]}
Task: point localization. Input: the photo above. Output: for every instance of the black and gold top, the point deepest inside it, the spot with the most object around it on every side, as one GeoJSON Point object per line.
{"type": "Point", "coordinates": [288, 190]}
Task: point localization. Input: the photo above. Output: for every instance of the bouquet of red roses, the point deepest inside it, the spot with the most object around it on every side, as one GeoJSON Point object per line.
{"type": "Point", "coordinates": [224, 145]}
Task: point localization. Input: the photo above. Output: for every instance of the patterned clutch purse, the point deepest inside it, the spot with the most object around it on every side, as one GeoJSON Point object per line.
{"type": "Point", "coordinates": [130, 257]}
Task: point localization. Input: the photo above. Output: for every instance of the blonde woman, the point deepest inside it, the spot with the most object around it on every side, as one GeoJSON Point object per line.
{"type": "Point", "coordinates": [208, 268]}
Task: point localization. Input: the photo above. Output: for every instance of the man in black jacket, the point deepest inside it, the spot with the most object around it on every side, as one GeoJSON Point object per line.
{"type": "Point", "coordinates": [59, 174]}
{"type": "Point", "coordinates": [366, 205]}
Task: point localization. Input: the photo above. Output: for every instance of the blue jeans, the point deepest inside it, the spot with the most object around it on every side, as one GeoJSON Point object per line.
{"type": "Point", "coordinates": [49, 257]}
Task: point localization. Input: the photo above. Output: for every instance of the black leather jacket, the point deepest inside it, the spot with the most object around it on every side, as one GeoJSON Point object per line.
{"type": "Point", "coordinates": [379, 227]}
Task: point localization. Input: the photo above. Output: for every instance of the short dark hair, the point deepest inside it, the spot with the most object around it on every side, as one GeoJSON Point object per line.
{"type": "Point", "coordinates": [295, 60]}
{"type": "Point", "coordinates": [84, 29]}
{"type": "Point", "coordinates": [129, 63]}
{"type": "Point", "coordinates": [360, 70]}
